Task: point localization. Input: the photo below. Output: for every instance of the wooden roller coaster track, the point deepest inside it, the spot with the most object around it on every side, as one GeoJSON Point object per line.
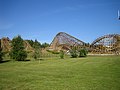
{"type": "Point", "coordinates": [107, 44]}
{"type": "Point", "coordinates": [64, 41]}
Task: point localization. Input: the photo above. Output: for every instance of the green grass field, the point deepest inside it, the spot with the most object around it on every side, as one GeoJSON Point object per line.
{"type": "Point", "coordinates": [90, 73]}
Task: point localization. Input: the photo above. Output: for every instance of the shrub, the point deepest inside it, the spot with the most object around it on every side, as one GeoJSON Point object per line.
{"type": "Point", "coordinates": [61, 54]}
{"type": "Point", "coordinates": [37, 53]}
{"type": "Point", "coordinates": [73, 52]}
{"type": "Point", "coordinates": [37, 50]}
{"type": "Point", "coordinates": [53, 52]}
{"type": "Point", "coordinates": [82, 53]}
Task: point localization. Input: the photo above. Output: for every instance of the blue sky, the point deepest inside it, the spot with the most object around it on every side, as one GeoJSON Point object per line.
{"type": "Point", "coordinates": [43, 19]}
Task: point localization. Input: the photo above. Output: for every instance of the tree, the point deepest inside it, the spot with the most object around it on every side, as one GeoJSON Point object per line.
{"type": "Point", "coordinates": [36, 44]}
{"type": "Point", "coordinates": [37, 50]}
{"type": "Point", "coordinates": [44, 45]}
{"type": "Point", "coordinates": [1, 53]}
{"type": "Point", "coordinates": [31, 42]}
{"type": "Point", "coordinates": [17, 51]}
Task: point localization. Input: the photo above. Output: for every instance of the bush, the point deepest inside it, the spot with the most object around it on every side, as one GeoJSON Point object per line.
{"type": "Point", "coordinates": [21, 55]}
{"type": "Point", "coordinates": [61, 54]}
{"type": "Point", "coordinates": [18, 55]}
{"type": "Point", "coordinates": [53, 52]}
{"type": "Point", "coordinates": [37, 53]}
{"type": "Point", "coordinates": [73, 52]}
{"type": "Point", "coordinates": [37, 50]}
{"type": "Point", "coordinates": [82, 53]}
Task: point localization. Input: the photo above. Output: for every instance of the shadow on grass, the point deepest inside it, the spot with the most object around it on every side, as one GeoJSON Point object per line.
{"type": "Point", "coordinates": [27, 60]}
{"type": "Point", "coordinates": [4, 61]}
{"type": "Point", "coordinates": [30, 60]}
{"type": "Point", "coordinates": [23, 60]}
{"type": "Point", "coordinates": [39, 59]}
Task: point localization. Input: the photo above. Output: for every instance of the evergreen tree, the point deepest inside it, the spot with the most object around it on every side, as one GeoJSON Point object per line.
{"type": "Point", "coordinates": [31, 42]}
{"type": "Point", "coordinates": [18, 52]}
{"type": "Point", "coordinates": [37, 51]}
{"type": "Point", "coordinates": [44, 45]}
{"type": "Point", "coordinates": [36, 44]}
{"type": "Point", "coordinates": [1, 53]}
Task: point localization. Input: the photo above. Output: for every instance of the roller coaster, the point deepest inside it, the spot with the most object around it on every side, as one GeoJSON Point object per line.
{"type": "Point", "coordinates": [107, 44]}
{"type": "Point", "coordinates": [64, 41]}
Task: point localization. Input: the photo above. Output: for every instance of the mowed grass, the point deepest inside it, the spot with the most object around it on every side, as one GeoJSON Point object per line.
{"type": "Point", "coordinates": [90, 73]}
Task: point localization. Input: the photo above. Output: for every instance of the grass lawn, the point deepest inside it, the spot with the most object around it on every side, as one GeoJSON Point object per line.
{"type": "Point", "coordinates": [91, 73]}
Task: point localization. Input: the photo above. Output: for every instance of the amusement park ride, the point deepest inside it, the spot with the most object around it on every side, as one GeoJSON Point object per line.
{"type": "Point", "coordinates": [107, 44]}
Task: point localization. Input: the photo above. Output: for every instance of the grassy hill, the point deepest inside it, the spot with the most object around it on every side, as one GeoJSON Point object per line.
{"type": "Point", "coordinates": [91, 73]}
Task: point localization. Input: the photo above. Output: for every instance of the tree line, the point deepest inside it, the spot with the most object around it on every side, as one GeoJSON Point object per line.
{"type": "Point", "coordinates": [18, 52]}
{"type": "Point", "coordinates": [34, 43]}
